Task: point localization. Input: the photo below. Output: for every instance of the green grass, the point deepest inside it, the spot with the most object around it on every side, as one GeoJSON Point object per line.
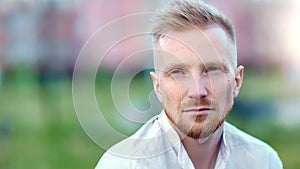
{"type": "Point", "coordinates": [39, 129]}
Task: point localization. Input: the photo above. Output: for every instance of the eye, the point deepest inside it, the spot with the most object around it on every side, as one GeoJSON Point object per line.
{"type": "Point", "coordinates": [211, 69]}
{"type": "Point", "coordinates": [176, 71]}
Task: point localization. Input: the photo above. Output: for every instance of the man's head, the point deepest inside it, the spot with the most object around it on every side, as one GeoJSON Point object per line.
{"type": "Point", "coordinates": [195, 59]}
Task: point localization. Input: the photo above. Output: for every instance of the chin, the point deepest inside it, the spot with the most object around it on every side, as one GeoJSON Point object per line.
{"type": "Point", "coordinates": [200, 133]}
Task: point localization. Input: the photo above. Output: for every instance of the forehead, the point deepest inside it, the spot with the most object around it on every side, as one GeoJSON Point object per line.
{"type": "Point", "coordinates": [209, 44]}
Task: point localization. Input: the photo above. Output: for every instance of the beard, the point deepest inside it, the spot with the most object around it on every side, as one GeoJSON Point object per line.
{"type": "Point", "coordinates": [199, 127]}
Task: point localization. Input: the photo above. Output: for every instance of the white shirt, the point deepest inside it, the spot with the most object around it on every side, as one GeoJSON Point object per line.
{"type": "Point", "coordinates": [156, 145]}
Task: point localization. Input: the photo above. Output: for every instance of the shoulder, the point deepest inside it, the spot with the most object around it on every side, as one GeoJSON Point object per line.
{"type": "Point", "coordinates": [241, 143]}
{"type": "Point", "coordinates": [110, 160]}
{"type": "Point", "coordinates": [237, 137]}
{"type": "Point", "coordinates": [127, 153]}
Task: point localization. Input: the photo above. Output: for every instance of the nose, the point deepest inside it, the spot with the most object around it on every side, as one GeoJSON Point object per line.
{"type": "Point", "coordinates": [198, 89]}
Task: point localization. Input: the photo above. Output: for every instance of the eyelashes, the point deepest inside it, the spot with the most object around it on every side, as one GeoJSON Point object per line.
{"type": "Point", "coordinates": [212, 69]}
{"type": "Point", "coordinates": [176, 72]}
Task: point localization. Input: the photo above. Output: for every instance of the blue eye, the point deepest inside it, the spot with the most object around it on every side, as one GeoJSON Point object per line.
{"type": "Point", "coordinates": [176, 71]}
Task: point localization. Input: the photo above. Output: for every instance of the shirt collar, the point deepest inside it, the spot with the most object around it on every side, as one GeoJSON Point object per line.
{"type": "Point", "coordinates": [167, 128]}
{"type": "Point", "coordinates": [224, 150]}
{"type": "Point", "coordinates": [177, 147]}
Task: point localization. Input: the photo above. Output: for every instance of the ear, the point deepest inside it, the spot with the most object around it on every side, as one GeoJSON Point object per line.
{"type": "Point", "coordinates": [239, 73]}
{"type": "Point", "coordinates": [156, 86]}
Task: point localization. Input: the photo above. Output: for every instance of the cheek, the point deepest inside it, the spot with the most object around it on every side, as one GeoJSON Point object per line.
{"type": "Point", "coordinates": [228, 93]}
{"type": "Point", "coordinates": [171, 93]}
{"type": "Point", "coordinates": [222, 90]}
{"type": "Point", "coordinates": [230, 87]}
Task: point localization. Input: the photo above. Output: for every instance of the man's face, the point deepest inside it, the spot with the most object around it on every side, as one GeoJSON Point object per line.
{"type": "Point", "coordinates": [196, 80]}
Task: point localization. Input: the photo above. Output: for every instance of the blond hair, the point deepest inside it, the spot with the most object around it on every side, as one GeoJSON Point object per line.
{"type": "Point", "coordinates": [186, 14]}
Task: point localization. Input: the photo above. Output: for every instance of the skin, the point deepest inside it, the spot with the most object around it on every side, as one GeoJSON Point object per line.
{"type": "Point", "coordinates": [196, 81]}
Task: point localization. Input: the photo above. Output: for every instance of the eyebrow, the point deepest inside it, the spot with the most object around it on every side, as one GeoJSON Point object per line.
{"type": "Point", "coordinates": [215, 64]}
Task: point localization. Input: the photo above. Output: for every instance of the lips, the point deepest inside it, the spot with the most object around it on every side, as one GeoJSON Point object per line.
{"type": "Point", "coordinates": [198, 111]}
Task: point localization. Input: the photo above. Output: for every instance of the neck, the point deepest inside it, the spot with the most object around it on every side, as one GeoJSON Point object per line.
{"type": "Point", "coordinates": [204, 152]}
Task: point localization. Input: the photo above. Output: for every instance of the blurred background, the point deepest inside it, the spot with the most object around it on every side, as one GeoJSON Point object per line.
{"type": "Point", "coordinates": [41, 40]}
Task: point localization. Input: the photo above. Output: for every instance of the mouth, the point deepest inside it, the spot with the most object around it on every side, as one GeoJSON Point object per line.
{"type": "Point", "coordinates": [198, 111]}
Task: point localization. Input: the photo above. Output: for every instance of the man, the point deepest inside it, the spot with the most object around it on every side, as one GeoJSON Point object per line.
{"type": "Point", "coordinates": [196, 79]}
